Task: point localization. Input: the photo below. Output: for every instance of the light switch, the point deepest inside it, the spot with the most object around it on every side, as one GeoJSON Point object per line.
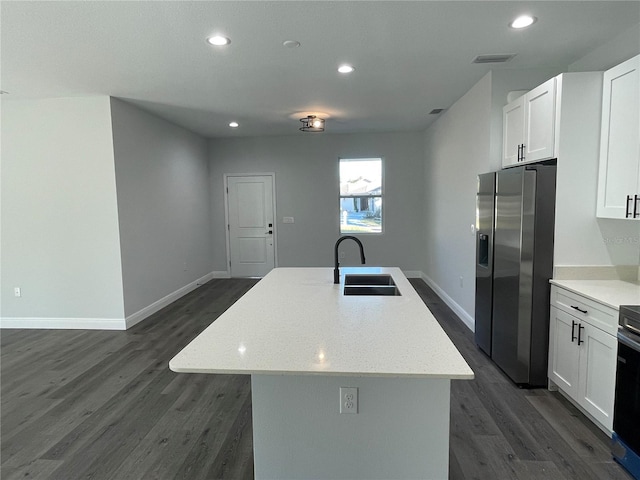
{"type": "Point", "coordinates": [287, 220]}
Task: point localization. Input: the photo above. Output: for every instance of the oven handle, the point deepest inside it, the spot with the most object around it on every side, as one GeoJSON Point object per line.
{"type": "Point", "coordinates": [629, 342]}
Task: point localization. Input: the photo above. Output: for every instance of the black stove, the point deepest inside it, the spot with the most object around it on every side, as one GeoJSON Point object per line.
{"type": "Point", "coordinates": [630, 318]}
{"type": "Point", "coordinates": [626, 416]}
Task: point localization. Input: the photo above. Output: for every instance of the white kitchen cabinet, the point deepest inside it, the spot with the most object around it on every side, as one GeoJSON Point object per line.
{"type": "Point", "coordinates": [513, 132]}
{"type": "Point", "coordinates": [597, 375]}
{"type": "Point", "coordinates": [582, 353]}
{"type": "Point", "coordinates": [619, 170]}
{"type": "Point", "coordinates": [563, 354]}
{"type": "Point", "coordinates": [529, 126]}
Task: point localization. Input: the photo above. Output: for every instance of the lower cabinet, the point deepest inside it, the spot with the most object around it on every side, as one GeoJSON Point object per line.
{"type": "Point", "coordinates": [582, 362]}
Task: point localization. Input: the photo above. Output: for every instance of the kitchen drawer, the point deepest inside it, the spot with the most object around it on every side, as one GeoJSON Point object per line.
{"type": "Point", "coordinates": [586, 310]}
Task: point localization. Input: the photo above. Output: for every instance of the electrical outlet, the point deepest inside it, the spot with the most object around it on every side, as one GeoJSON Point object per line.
{"type": "Point", "coordinates": [348, 399]}
{"type": "Point", "coordinates": [342, 255]}
{"type": "Point", "coordinates": [461, 281]}
{"type": "Point", "coordinates": [17, 292]}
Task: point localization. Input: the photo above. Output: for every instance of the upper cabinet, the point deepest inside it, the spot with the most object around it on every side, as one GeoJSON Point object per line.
{"type": "Point", "coordinates": [558, 119]}
{"type": "Point", "coordinates": [619, 173]}
{"type": "Point", "coordinates": [529, 126]}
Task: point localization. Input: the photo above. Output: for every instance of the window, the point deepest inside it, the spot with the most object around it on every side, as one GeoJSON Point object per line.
{"type": "Point", "coordinates": [360, 195]}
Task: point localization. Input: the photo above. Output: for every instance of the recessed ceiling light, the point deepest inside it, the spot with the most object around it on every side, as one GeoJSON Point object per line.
{"type": "Point", "coordinates": [291, 43]}
{"type": "Point", "coordinates": [523, 21]}
{"type": "Point", "coordinates": [218, 40]}
{"type": "Point", "coordinates": [346, 68]}
{"type": "Point", "coordinates": [234, 124]}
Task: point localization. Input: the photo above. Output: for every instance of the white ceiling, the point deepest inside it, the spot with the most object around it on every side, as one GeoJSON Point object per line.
{"type": "Point", "coordinates": [410, 57]}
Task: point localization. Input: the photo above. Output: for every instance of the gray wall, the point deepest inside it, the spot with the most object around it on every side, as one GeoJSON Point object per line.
{"type": "Point", "coordinates": [307, 188]}
{"type": "Point", "coordinates": [456, 150]}
{"type": "Point", "coordinates": [162, 178]}
{"type": "Point", "coordinates": [59, 218]}
{"type": "Point", "coordinates": [612, 53]}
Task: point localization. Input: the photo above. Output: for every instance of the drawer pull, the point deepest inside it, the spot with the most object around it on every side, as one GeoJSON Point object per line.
{"type": "Point", "coordinates": [578, 308]}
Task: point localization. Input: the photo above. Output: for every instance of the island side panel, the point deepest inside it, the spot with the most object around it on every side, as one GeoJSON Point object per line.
{"type": "Point", "coordinates": [401, 429]}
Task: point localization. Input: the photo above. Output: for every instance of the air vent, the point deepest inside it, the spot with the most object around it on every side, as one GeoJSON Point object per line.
{"type": "Point", "coordinates": [436, 111]}
{"type": "Point", "coordinates": [494, 58]}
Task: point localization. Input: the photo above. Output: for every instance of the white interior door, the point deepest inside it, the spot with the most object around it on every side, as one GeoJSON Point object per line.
{"type": "Point", "coordinates": [251, 225]}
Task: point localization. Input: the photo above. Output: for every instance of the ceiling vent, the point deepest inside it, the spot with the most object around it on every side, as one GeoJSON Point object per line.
{"type": "Point", "coordinates": [494, 58]}
{"type": "Point", "coordinates": [436, 111]}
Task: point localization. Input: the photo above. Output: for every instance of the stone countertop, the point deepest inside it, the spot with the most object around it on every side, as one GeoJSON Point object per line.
{"type": "Point", "coordinates": [297, 321]}
{"type": "Point", "coordinates": [611, 293]}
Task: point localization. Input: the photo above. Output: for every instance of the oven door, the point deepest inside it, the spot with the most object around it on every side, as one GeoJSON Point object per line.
{"type": "Point", "coordinates": [626, 417]}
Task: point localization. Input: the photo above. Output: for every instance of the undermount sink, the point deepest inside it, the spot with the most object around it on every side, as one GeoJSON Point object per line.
{"type": "Point", "coordinates": [367, 284]}
{"type": "Point", "coordinates": [368, 279]}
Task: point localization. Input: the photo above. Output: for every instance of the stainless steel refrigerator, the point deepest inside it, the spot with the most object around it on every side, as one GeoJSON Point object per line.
{"type": "Point", "coordinates": [514, 262]}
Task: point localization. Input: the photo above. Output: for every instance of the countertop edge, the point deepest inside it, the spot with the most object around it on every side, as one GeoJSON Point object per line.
{"type": "Point", "coordinates": [425, 376]}
{"type": "Point", "coordinates": [570, 284]}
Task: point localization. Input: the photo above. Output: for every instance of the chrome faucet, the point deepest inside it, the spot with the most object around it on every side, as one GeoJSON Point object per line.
{"type": "Point", "coordinates": [336, 271]}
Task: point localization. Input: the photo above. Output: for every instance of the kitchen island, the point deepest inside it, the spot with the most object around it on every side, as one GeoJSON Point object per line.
{"type": "Point", "coordinates": [302, 340]}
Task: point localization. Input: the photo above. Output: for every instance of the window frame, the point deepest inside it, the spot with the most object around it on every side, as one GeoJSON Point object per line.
{"type": "Point", "coordinates": [381, 195]}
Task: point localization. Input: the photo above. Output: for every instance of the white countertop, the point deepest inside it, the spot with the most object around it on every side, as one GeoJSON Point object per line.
{"type": "Point", "coordinates": [296, 321]}
{"type": "Point", "coordinates": [611, 293]}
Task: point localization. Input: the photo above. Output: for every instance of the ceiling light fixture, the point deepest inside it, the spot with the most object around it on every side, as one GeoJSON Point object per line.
{"type": "Point", "coordinates": [312, 123]}
{"type": "Point", "coordinates": [291, 43]}
{"type": "Point", "coordinates": [346, 68]}
{"type": "Point", "coordinates": [218, 40]}
{"type": "Point", "coordinates": [234, 124]}
{"type": "Point", "coordinates": [523, 21]}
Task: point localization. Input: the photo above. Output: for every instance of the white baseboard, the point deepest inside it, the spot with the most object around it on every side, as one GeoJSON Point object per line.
{"type": "Point", "coordinates": [149, 310]}
{"type": "Point", "coordinates": [221, 274]}
{"type": "Point", "coordinates": [457, 309]}
{"type": "Point", "coordinates": [64, 323]}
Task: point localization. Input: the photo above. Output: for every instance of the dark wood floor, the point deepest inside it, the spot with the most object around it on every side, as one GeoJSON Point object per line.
{"type": "Point", "coordinates": [104, 405]}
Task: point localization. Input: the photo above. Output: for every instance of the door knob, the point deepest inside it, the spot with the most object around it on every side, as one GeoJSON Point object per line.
{"type": "Point", "coordinates": [270, 232]}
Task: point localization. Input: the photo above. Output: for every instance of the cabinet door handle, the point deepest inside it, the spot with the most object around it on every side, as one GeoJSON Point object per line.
{"type": "Point", "coordinates": [636, 210]}
{"type": "Point", "coordinates": [518, 159]}
{"type": "Point", "coordinates": [580, 328]}
{"type": "Point", "coordinates": [573, 330]}
{"type": "Point", "coordinates": [522, 153]}
{"type": "Point", "coordinates": [579, 309]}
{"type": "Point", "coordinates": [627, 213]}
